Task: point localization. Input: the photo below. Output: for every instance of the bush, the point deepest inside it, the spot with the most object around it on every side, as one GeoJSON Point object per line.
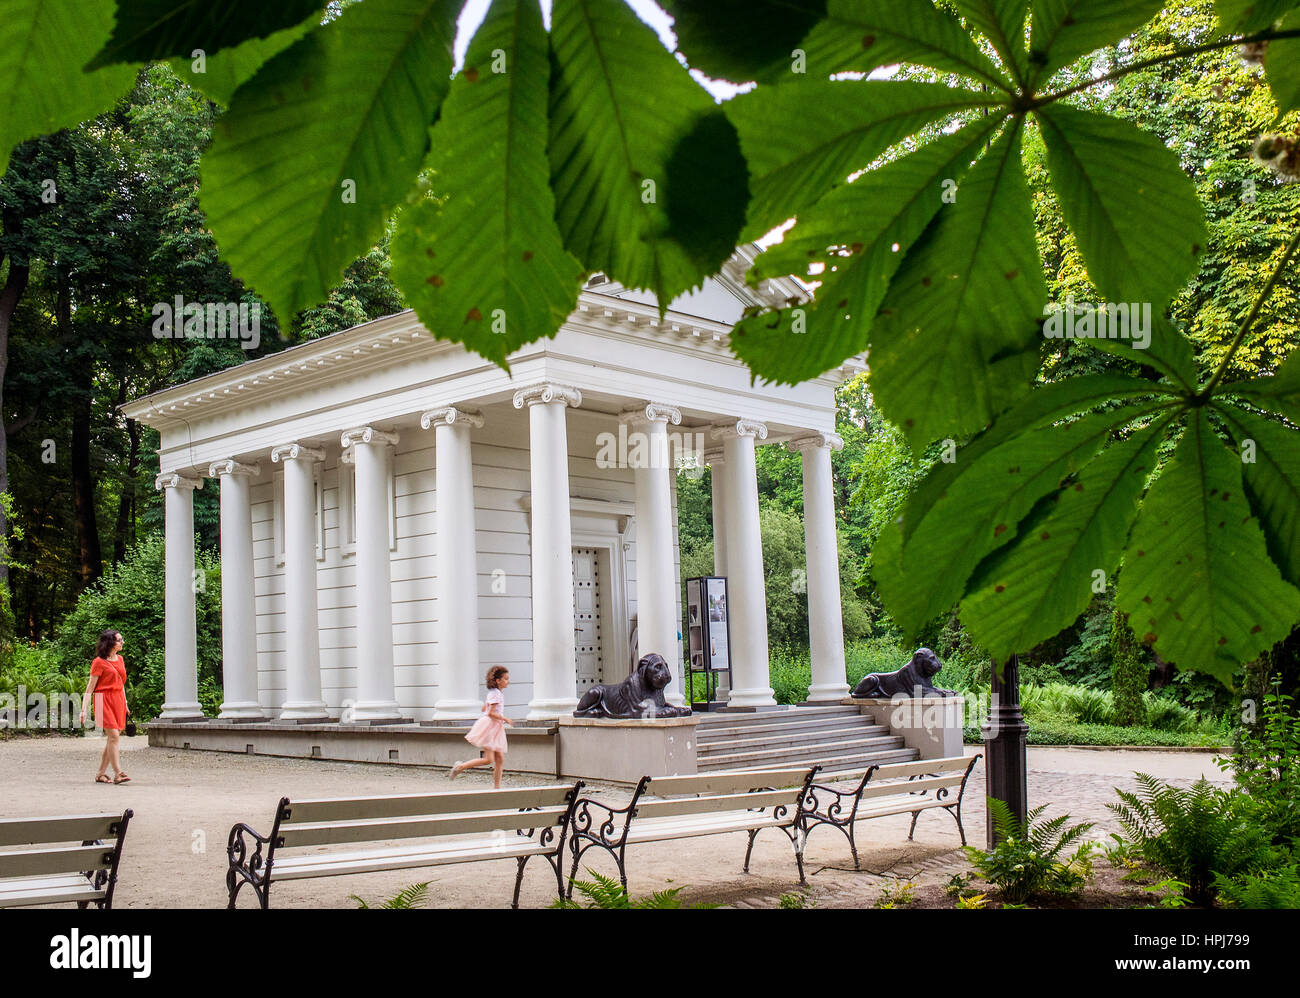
{"type": "Point", "coordinates": [1128, 674]}
{"type": "Point", "coordinates": [130, 598]}
{"type": "Point", "coordinates": [1267, 764]}
{"type": "Point", "coordinates": [1195, 835]}
{"type": "Point", "coordinates": [1054, 730]}
{"type": "Point", "coordinates": [1030, 856]}
{"type": "Point", "coordinates": [1278, 888]}
{"type": "Point", "coordinates": [1165, 714]}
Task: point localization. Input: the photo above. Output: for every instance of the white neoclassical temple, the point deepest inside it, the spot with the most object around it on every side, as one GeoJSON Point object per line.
{"type": "Point", "coordinates": [398, 514]}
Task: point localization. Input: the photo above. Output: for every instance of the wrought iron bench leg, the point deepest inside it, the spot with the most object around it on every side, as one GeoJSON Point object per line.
{"type": "Point", "coordinates": [519, 880]}
{"type": "Point", "coordinates": [912, 831]}
{"type": "Point", "coordinates": [956, 813]}
{"type": "Point", "coordinates": [853, 845]}
{"type": "Point", "coordinates": [753, 832]}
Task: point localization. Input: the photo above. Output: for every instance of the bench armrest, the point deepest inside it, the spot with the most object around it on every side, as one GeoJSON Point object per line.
{"type": "Point", "coordinates": [603, 824]}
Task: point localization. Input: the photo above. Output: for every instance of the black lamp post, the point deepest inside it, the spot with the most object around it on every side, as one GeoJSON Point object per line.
{"type": "Point", "coordinates": [1004, 744]}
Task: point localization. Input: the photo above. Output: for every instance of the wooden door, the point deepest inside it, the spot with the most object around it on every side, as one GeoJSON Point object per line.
{"type": "Point", "coordinates": [586, 619]}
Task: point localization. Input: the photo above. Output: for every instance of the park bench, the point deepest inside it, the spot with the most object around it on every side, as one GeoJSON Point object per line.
{"type": "Point", "coordinates": [679, 807]}
{"type": "Point", "coordinates": [462, 826]}
{"type": "Point", "coordinates": [899, 788]}
{"type": "Point", "coordinates": [50, 868]}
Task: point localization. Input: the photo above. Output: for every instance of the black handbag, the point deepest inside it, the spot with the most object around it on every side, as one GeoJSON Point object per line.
{"type": "Point", "coordinates": [129, 730]}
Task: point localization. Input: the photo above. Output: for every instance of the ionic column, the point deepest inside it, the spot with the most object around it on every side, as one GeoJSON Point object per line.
{"type": "Point", "coordinates": [555, 691]}
{"type": "Point", "coordinates": [302, 626]}
{"type": "Point", "coordinates": [745, 592]}
{"type": "Point", "coordinates": [460, 674]}
{"type": "Point", "coordinates": [181, 654]}
{"type": "Point", "coordinates": [656, 581]}
{"type": "Point", "coordinates": [238, 605]}
{"type": "Point", "coordinates": [822, 563]}
{"type": "Point", "coordinates": [376, 701]}
{"type": "Point", "coordinates": [718, 488]}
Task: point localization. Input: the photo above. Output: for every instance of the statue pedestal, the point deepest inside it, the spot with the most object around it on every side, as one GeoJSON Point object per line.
{"type": "Point", "coordinates": [623, 751]}
{"type": "Point", "coordinates": [931, 725]}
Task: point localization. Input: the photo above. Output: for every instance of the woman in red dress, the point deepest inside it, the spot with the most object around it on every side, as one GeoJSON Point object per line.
{"type": "Point", "coordinates": [108, 684]}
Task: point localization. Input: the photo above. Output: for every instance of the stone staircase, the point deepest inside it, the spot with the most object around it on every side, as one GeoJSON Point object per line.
{"type": "Point", "coordinates": [839, 738]}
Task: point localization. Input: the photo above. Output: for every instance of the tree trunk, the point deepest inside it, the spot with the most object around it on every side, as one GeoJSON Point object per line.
{"type": "Point", "coordinates": [122, 535]}
{"type": "Point", "coordinates": [83, 481]}
{"type": "Point", "coordinates": [15, 285]}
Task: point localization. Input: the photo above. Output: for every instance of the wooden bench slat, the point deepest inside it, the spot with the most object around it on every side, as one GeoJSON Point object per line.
{"type": "Point", "coordinates": [902, 770]}
{"type": "Point", "coordinates": [726, 782]}
{"type": "Point", "coordinates": [899, 805]}
{"type": "Point", "coordinates": [22, 891]}
{"type": "Point", "coordinates": [667, 829]}
{"type": "Point", "coordinates": [69, 828]}
{"type": "Point", "coordinates": [343, 864]}
{"type": "Point", "coordinates": [55, 859]}
{"type": "Point", "coordinates": [443, 802]}
{"type": "Point", "coordinates": [719, 803]}
{"type": "Point", "coordinates": [416, 826]}
{"type": "Point", "coordinates": [930, 783]}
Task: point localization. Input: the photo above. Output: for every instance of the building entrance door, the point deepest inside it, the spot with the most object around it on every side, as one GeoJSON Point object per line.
{"type": "Point", "coordinates": [589, 662]}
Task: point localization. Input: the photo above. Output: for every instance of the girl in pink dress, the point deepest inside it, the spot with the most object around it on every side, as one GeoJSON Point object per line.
{"type": "Point", "coordinates": [489, 731]}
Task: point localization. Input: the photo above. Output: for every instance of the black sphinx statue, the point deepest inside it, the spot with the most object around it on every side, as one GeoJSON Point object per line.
{"type": "Point", "coordinates": [912, 680]}
{"type": "Point", "coordinates": [640, 695]}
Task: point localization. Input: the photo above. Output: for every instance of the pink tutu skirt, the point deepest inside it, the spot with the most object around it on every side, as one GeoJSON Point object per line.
{"type": "Point", "coordinates": [488, 735]}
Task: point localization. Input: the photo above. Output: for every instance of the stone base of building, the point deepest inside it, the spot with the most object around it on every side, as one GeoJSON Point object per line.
{"type": "Point", "coordinates": [931, 725]}
{"type": "Point", "coordinates": [606, 751]}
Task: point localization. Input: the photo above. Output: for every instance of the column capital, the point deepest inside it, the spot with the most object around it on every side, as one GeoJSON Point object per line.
{"type": "Point", "coordinates": [232, 467]}
{"type": "Point", "coordinates": [366, 435]}
{"type": "Point", "coordinates": [175, 480]}
{"type": "Point", "coordinates": [714, 455]}
{"type": "Point", "coordinates": [833, 441]}
{"type": "Point", "coordinates": [548, 392]}
{"type": "Point", "coordinates": [451, 415]}
{"type": "Point", "coordinates": [651, 412]}
{"type": "Point", "coordinates": [741, 428]}
{"type": "Point", "coordinates": [296, 452]}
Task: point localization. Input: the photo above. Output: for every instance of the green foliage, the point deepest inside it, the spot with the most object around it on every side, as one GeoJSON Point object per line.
{"type": "Point", "coordinates": [1194, 834]}
{"type": "Point", "coordinates": [796, 900]}
{"type": "Point", "coordinates": [468, 257]}
{"type": "Point", "coordinates": [147, 30]}
{"type": "Point", "coordinates": [1128, 675]}
{"type": "Point", "coordinates": [896, 894]}
{"type": "Point", "coordinates": [1031, 857]}
{"type": "Point", "coordinates": [411, 896]}
{"type": "Point", "coordinates": [1266, 764]}
{"type": "Point", "coordinates": [1057, 731]}
{"type": "Point", "coordinates": [1279, 888]}
{"type": "Point", "coordinates": [129, 598]}
{"type": "Point", "coordinates": [603, 893]}
{"type": "Point", "coordinates": [323, 143]}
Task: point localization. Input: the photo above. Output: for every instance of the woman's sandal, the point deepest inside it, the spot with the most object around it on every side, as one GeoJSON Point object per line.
{"type": "Point", "coordinates": [457, 770]}
{"type": "Point", "coordinates": [103, 778]}
{"type": "Point", "coordinates": [122, 778]}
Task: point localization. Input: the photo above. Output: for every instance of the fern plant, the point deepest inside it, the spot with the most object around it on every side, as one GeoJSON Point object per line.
{"type": "Point", "coordinates": [411, 896]}
{"type": "Point", "coordinates": [604, 893]}
{"type": "Point", "coordinates": [1031, 856]}
{"type": "Point", "coordinates": [1267, 766]}
{"type": "Point", "coordinates": [1194, 834]}
{"type": "Point", "coordinates": [1274, 889]}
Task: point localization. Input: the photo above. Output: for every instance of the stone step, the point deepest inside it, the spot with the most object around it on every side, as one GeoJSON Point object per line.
{"type": "Point", "coordinates": [740, 718]}
{"type": "Point", "coordinates": [830, 766]}
{"type": "Point", "coordinates": [717, 732]}
{"type": "Point", "coordinates": [815, 752]}
{"type": "Point", "coordinates": [789, 737]}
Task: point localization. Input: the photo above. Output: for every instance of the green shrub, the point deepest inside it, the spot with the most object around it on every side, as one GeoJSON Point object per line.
{"type": "Point", "coordinates": [130, 598]}
{"type": "Point", "coordinates": [1267, 764]}
{"type": "Point", "coordinates": [1055, 731]}
{"type": "Point", "coordinates": [411, 896]}
{"type": "Point", "coordinates": [1165, 714]}
{"type": "Point", "coordinates": [1279, 888]}
{"type": "Point", "coordinates": [1195, 835]}
{"type": "Point", "coordinates": [1030, 857]}
{"type": "Point", "coordinates": [605, 893]}
{"type": "Point", "coordinates": [1128, 674]}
